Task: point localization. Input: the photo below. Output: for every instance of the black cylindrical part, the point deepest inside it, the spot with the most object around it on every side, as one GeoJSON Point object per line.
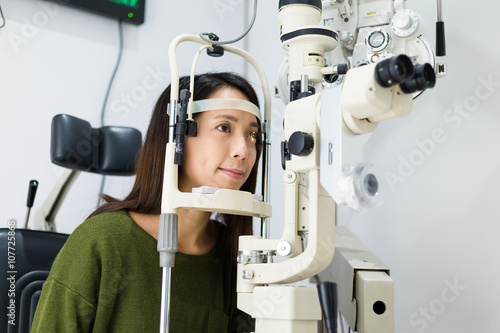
{"type": "Point", "coordinates": [217, 51]}
{"type": "Point", "coordinates": [342, 68]}
{"type": "Point", "coordinates": [300, 143]}
{"type": "Point", "coordinates": [31, 193]}
{"type": "Point", "coordinates": [440, 40]}
{"type": "Point", "coordinates": [394, 70]}
{"type": "Point", "coordinates": [181, 126]}
{"type": "Point", "coordinates": [423, 77]}
{"type": "Point", "coordinates": [328, 300]}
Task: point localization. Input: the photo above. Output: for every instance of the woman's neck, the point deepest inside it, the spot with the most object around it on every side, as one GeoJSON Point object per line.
{"type": "Point", "coordinates": [197, 235]}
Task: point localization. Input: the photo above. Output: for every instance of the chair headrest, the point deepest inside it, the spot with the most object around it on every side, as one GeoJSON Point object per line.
{"type": "Point", "coordinates": [108, 150]}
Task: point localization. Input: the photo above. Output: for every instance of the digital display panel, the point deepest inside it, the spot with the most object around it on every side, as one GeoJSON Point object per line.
{"type": "Point", "coordinates": [130, 11]}
{"type": "Point", "coordinates": [128, 3]}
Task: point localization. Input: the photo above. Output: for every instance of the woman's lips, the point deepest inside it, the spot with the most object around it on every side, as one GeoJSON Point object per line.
{"type": "Point", "coordinates": [233, 173]}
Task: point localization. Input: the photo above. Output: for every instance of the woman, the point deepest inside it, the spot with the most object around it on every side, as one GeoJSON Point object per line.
{"type": "Point", "coordinates": [107, 276]}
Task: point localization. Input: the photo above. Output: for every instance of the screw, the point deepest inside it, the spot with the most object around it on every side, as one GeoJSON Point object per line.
{"type": "Point", "coordinates": [247, 274]}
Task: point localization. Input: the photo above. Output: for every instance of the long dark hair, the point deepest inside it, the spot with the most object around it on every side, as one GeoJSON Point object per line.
{"type": "Point", "coordinates": [145, 196]}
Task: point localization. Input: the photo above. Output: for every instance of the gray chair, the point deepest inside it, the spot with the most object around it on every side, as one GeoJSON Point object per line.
{"type": "Point", "coordinates": [75, 145]}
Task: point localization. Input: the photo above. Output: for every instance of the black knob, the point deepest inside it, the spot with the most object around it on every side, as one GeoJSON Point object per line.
{"type": "Point", "coordinates": [217, 51]}
{"type": "Point", "coordinates": [342, 68]}
{"type": "Point", "coordinates": [31, 193]}
{"type": "Point", "coordinates": [301, 144]}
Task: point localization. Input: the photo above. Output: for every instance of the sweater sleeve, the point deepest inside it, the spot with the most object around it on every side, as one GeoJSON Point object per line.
{"type": "Point", "coordinates": [70, 313]}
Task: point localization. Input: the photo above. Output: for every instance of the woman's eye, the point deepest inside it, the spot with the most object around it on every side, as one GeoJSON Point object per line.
{"type": "Point", "coordinates": [223, 128]}
{"type": "Point", "coordinates": [253, 136]}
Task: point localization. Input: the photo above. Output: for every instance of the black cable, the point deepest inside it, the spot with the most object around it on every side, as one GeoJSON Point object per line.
{"type": "Point", "coordinates": [120, 31]}
{"type": "Point", "coordinates": [120, 52]}
{"type": "Point", "coordinates": [215, 41]}
{"type": "Point", "coordinates": [3, 17]}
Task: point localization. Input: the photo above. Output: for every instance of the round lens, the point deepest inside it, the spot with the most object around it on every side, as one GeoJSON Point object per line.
{"type": "Point", "coordinates": [376, 40]}
{"type": "Point", "coordinates": [371, 184]}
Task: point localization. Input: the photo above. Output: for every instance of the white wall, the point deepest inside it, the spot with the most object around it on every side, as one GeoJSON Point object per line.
{"type": "Point", "coordinates": [438, 225]}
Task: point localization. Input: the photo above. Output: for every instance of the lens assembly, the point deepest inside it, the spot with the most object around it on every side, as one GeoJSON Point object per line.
{"type": "Point", "coordinates": [370, 184]}
{"type": "Point", "coordinates": [357, 187]}
{"type": "Point", "coordinates": [377, 40]}
{"type": "Point", "coordinates": [424, 77]}
{"type": "Point", "coordinates": [393, 71]}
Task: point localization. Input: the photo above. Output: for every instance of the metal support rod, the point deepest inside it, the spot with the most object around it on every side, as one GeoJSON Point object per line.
{"type": "Point", "coordinates": [304, 83]}
{"type": "Point", "coordinates": [440, 11]}
{"type": "Point", "coordinates": [266, 156]}
{"type": "Point", "coordinates": [173, 106]}
{"type": "Point", "coordinates": [167, 247]}
{"type": "Point", "coordinates": [165, 300]}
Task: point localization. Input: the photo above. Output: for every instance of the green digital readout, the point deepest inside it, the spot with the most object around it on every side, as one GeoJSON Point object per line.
{"type": "Point", "coordinates": [128, 3]}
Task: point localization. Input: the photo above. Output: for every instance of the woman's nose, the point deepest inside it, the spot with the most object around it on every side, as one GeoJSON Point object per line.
{"type": "Point", "coordinates": [239, 147]}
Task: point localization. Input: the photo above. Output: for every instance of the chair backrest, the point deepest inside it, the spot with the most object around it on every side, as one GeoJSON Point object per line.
{"type": "Point", "coordinates": [31, 254]}
{"type": "Point", "coordinates": [108, 150]}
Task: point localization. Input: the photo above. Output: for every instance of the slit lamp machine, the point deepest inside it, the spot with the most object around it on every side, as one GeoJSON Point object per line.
{"type": "Point", "coordinates": [351, 64]}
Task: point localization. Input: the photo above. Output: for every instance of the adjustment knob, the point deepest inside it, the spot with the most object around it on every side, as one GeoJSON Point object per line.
{"type": "Point", "coordinates": [346, 38]}
{"type": "Point", "coordinates": [402, 21]}
{"type": "Point", "coordinates": [406, 23]}
{"type": "Point", "coordinates": [300, 143]}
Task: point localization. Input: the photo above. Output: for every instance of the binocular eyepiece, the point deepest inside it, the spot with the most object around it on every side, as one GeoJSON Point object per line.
{"type": "Point", "coordinates": [423, 77]}
{"type": "Point", "coordinates": [400, 70]}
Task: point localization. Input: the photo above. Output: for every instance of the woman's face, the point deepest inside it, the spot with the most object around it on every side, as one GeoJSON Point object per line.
{"type": "Point", "coordinates": [224, 151]}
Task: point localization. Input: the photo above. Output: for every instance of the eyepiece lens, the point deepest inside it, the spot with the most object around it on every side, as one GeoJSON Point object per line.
{"type": "Point", "coordinates": [423, 78]}
{"type": "Point", "coordinates": [400, 69]}
{"type": "Point", "coordinates": [394, 70]}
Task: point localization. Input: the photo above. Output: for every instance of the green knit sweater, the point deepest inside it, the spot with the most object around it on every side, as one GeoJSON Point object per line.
{"type": "Point", "coordinates": [107, 279]}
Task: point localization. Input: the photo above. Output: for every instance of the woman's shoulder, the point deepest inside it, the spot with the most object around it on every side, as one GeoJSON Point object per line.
{"type": "Point", "coordinates": [104, 231]}
{"type": "Point", "coordinates": [105, 224]}
{"type": "Point", "coordinates": [94, 250]}
{"type": "Point", "coordinates": [102, 238]}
